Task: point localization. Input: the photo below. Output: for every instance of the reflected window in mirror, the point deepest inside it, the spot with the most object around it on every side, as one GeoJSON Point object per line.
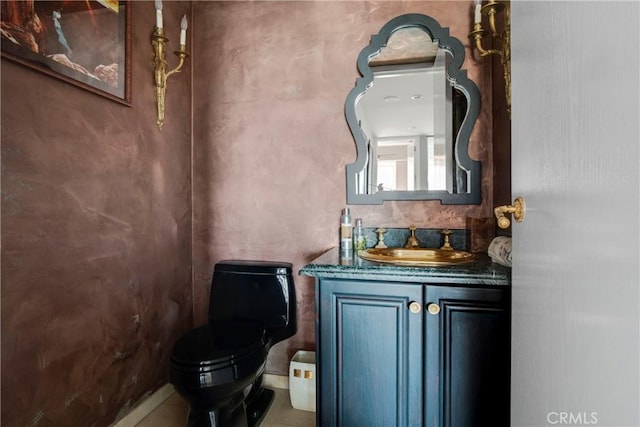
{"type": "Point", "coordinates": [411, 115]}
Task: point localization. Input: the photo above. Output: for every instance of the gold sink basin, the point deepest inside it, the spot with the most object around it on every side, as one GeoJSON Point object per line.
{"type": "Point", "coordinates": [418, 256]}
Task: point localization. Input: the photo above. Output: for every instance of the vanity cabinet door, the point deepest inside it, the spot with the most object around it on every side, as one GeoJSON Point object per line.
{"type": "Point", "coordinates": [370, 345]}
{"type": "Point", "coordinates": [467, 363]}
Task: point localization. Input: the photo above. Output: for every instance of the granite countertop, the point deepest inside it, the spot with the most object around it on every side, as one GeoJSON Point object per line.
{"type": "Point", "coordinates": [481, 272]}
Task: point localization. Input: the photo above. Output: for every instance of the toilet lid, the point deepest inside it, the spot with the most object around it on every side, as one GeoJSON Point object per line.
{"type": "Point", "coordinates": [218, 343]}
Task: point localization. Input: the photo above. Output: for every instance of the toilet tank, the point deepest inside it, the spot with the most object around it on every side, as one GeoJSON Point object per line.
{"type": "Point", "coordinates": [255, 291]}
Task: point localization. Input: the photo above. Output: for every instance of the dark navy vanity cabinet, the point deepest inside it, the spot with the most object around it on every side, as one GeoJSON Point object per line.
{"type": "Point", "coordinates": [467, 356]}
{"type": "Point", "coordinates": [370, 348]}
{"type": "Point", "coordinates": [407, 346]}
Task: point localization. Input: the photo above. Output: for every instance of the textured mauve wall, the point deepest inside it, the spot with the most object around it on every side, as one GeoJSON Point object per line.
{"type": "Point", "coordinates": [271, 141]}
{"type": "Point", "coordinates": [96, 240]}
{"type": "Point", "coordinates": [96, 218]}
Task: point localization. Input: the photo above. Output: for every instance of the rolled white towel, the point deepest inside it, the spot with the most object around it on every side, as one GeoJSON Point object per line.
{"type": "Point", "coordinates": [500, 250]}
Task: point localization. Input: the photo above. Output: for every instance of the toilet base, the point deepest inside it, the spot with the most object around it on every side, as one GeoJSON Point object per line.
{"type": "Point", "coordinates": [242, 414]}
{"type": "Point", "coordinates": [257, 408]}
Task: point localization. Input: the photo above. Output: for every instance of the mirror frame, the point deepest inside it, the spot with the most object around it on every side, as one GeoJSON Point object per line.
{"type": "Point", "coordinates": [459, 80]}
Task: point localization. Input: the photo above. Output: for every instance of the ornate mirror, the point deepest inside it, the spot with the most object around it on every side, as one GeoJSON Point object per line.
{"type": "Point", "coordinates": [411, 114]}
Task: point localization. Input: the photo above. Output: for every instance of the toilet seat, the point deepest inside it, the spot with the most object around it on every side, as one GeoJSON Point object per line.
{"type": "Point", "coordinates": [219, 345]}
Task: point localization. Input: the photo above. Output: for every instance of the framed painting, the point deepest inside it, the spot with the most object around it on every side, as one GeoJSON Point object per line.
{"type": "Point", "coordinates": [85, 43]}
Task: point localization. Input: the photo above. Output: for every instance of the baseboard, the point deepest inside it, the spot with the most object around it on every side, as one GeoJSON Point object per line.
{"type": "Point", "coordinates": [144, 408]}
{"type": "Point", "coordinates": [276, 381]}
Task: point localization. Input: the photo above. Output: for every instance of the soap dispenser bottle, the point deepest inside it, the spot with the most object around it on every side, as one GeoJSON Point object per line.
{"type": "Point", "coordinates": [346, 228]}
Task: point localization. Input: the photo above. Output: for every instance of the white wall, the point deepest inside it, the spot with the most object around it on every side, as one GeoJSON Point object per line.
{"type": "Point", "coordinates": [576, 277]}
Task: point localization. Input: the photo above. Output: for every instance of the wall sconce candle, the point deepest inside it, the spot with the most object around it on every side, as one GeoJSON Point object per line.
{"type": "Point", "coordinates": [499, 40]}
{"type": "Point", "coordinates": [159, 42]}
{"type": "Point", "coordinates": [159, 14]}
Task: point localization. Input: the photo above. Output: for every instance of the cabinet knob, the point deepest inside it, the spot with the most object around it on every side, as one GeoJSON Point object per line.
{"type": "Point", "coordinates": [433, 308]}
{"type": "Point", "coordinates": [415, 307]}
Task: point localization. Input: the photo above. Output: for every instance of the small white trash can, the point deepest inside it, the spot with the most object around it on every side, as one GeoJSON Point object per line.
{"type": "Point", "coordinates": [302, 380]}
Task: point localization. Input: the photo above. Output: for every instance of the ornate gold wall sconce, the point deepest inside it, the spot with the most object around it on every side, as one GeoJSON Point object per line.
{"type": "Point", "coordinates": [159, 42]}
{"type": "Point", "coordinates": [499, 41]}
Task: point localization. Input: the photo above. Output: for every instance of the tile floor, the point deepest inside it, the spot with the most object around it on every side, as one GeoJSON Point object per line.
{"type": "Point", "coordinates": [173, 413]}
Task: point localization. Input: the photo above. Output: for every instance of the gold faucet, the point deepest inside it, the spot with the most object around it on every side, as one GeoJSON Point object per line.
{"type": "Point", "coordinates": [412, 241]}
{"type": "Point", "coordinates": [445, 233]}
{"type": "Point", "coordinates": [381, 244]}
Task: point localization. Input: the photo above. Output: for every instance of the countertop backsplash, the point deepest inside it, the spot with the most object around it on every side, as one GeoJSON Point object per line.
{"type": "Point", "coordinates": [428, 237]}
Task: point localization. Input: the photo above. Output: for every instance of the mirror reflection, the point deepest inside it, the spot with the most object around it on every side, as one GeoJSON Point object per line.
{"type": "Point", "coordinates": [406, 115]}
{"type": "Point", "coordinates": [408, 118]}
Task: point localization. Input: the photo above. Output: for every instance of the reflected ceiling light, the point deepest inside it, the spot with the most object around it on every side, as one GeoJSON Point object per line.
{"type": "Point", "coordinates": [391, 99]}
